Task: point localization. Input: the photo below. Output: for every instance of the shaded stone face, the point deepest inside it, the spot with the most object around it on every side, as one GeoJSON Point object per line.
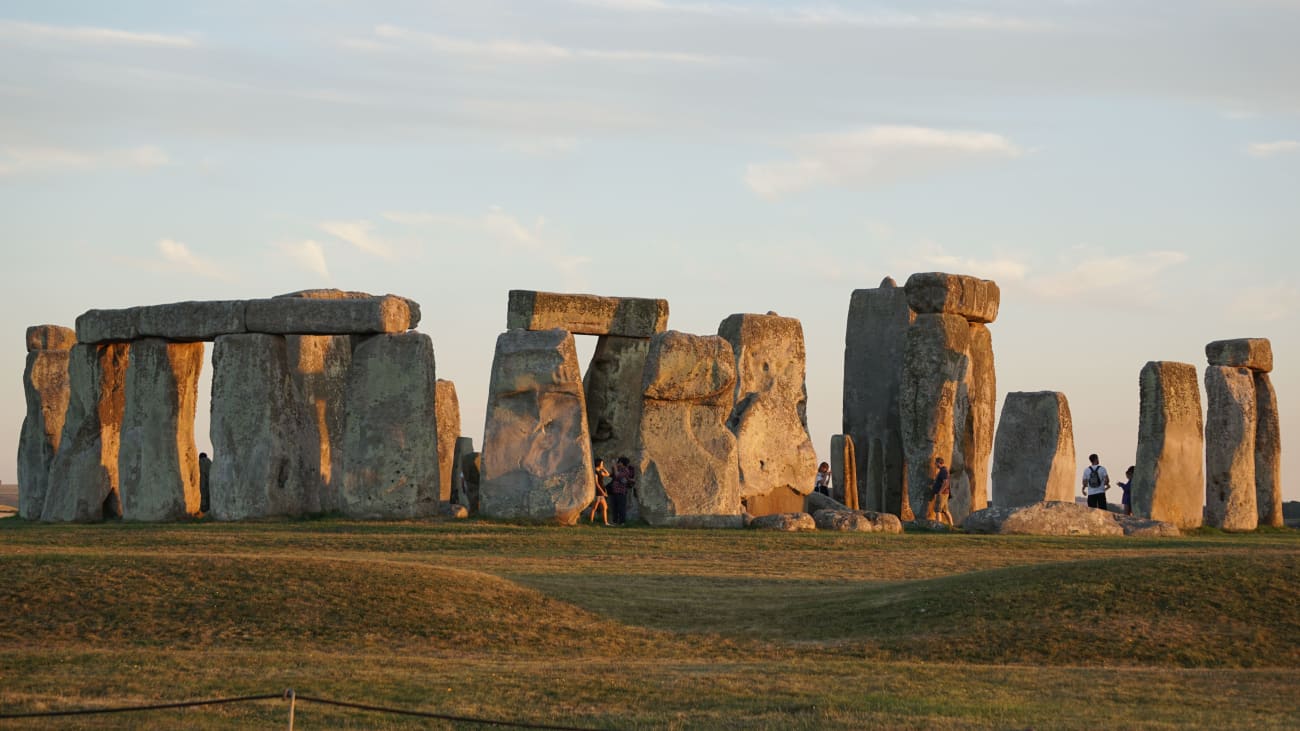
{"type": "Point", "coordinates": [50, 337]}
{"type": "Point", "coordinates": [464, 446]}
{"type": "Point", "coordinates": [974, 299]}
{"type": "Point", "coordinates": [1044, 519]}
{"type": "Point", "coordinates": [613, 392]}
{"type": "Point", "coordinates": [319, 366]}
{"type": "Point", "coordinates": [1034, 457]}
{"type": "Point", "coordinates": [1253, 353]}
{"type": "Point", "coordinates": [83, 482]}
{"type": "Point", "coordinates": [46, 388]}
{"type": "Point", "coordinates": [391, 439]}
{"type": "Point", "coordinates": [412, 307]}
{"type": "Point", "coordinates": [191, 320]}
{"type": "Point", "coordinates": [311, 316]}
{"type": "Point", "coordinates": [844, 478]}
{"type": "Point", "coordinates": [536, 462]}
{"type": "Point", "coordinates": [158, 462]}
{"type": "Point", "coordinates": [687, 468]}
{"type": "Point", "coordinates": [586, 314]}
{"type": "Point", "coordinates": [1169, 476]}
{"type": "Point", "coordinates": [1230, 449]}
{"type": "Point", "coordinates": [105, 326]}
{"type": "Point", "coordinates": [448, 410]}
{"type": "Point", "coordinates": [772, 442]}
{"type": "Point", "coordinates": [934, 371]}
{"type": "Point", "coordinates": [1268, 453]}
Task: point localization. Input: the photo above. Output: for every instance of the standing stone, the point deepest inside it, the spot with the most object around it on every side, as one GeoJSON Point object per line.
{"type": "Point", "coordinates": [1034, 457]}
{"type": "Point", "coordinates": [319, 365]}
{"type": "Point", "coordinates": [45, 386]}
{"type": "Point", "coordinates": [934, 370]}
{"type": "Point", "coordinates": [390, 445]}
{"type": "Point", "coordinates": [1230, 449]}
{"type": "Point", "coordinates": [974, 299]}
{"type": "Point", "coordinates": [83, 482]}
{"type": "Point", "coordinates": [874, 343]}
{"type": "Point", "coordinates": [844, 471]}
{"type": "Point", "coordinates": [258, 426]}
{"type": "Point", "coordinates": [471, 467]}
{"type": "Point", "coordinates": [536, 462]}
{"type": "Point", "coordinates": [687, 467]}
{"type": "Point", "coordinates": [973, 420]}
{"type": "Point", "coordinates": [1253, 353]}
{"type": "Point", "coordinates": [613, 390]}
{"type": "Point", "coordinates": [778, 463]}
{"type": "Point", "coordinates": [1169, 474]}
{"type": "Point", "coordinates": [459, 489]}
{"type": "Point", "coordinates": [448, 408]}
{"type": "Point", "coordinates": [158, 463]}
{"type": "Point", "coordinates": [1268, 453]}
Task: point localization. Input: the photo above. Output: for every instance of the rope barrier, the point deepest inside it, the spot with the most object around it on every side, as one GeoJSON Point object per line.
{"type": "Point", "coordinates": [133, 709]}
{"type": "Point", "coordinates": [441, 716]}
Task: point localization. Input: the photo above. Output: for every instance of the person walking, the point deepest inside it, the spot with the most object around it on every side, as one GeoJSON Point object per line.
{"type": "Point", "coordinates": [823, 483]}
{"type": "Point", "coordinates": [600, 503]}
{"type": "Point", "coordinates": [937, 506]}
{"type": "Point", "coordinates": [624, 481]}
{"type": "Point", "coordinates": [1095, 483]}
{"type": "Point", "coordinates": [1127, 487]}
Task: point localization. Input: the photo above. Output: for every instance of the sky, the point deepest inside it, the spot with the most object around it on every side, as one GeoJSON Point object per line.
{"type": "Point", "coordinates": [1128, 172]}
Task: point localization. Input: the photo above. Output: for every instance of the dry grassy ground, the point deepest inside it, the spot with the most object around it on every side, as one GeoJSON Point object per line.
{"type": "Point", "coordinates": [642, 628]}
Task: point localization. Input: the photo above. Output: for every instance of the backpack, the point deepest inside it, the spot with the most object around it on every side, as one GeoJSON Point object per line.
{"type": "Point", "coordinates": [1094, 479]}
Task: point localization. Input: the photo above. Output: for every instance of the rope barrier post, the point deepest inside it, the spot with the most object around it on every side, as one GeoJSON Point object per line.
{"type": "Point", "coordinates": [292, 698]}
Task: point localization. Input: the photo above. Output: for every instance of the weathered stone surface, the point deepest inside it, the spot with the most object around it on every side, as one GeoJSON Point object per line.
{"type": "Point", "coordinates": [46, 388]}
{"type": "Point", "coordinates": [769, 415]}
{"type": "Point", "coordinates": [390, 444]}
{"type": "Point", "coordinates": [1044, 519]}
{"type": "Point", "coordinates": [586, 314]}
{"type": "Point", "coordinates": [459, 489]}
{"type": "Point", "coordinates": [973, 421]}
{"type": "Point", "coordinates": [613, 391]}
{"type": "Point", "coordinates": [343, 316]}
{"type": "Point", "coordinates": [319, 366]}
{"type": "Point", "coordinates": [844, 470]}
{"type": "Point", "coordinates": [935, 293]}
{"type": "Point", "coordinates": [103, 326]}
{"type": "Point", "coordinates": [1253, 353]}
{"type": "Point", "coordinates": [158, 464]}
{"type": "Point", "coordinates": [412, 306]}
{"type": "Point", "coordinates": [688, 473]}
{"type": "Point", "coordinates": [448, 408]}
{"type": "Point", "coordinates": [471, 467]}
{"type": "Point", "coordinates": [50, 337]}
{"type": "Point", "coordinates": [258, 426]}
{"type": "Point", "coordinates": [934, 370]}
{"type": "Point", "coordinates": [191, 320]}
{"type": "Point", "coordinates": [1034, 458]}
{"type": "Point", "coordinates": [1268, 453]}
{"type": "Point", "coordinates": [1146, 528]}
{"type": "Point", "coordinates": [863, 521]}
{"type": "Point", "coordinates": [815, 501]}
{"type": "Point", "coordinates": [536, 461]}
{"type": "Point", "coordinates": [874, 342]}
{"type": "Point", "coordinates": [788, 522]}
{"type": "Point", "coordinates": [927, 525]}
{"type": "Point", "coordinates": [83, 482]}
{"type": "Point", "coordinates": [1169, 475]}
{"type": "Point", "coordinates": [1230, 449]}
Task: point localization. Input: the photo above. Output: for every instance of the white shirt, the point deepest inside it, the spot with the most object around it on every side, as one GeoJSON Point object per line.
{"type": "Point", "coordinates": [1101, 474]}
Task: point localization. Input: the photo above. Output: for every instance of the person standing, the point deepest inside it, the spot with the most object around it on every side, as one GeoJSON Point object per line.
{"type": "Point", "coordinates": [823, 483]}
{"type": "Point", "coordinates": [937, 507]}
{"type": "Point", "coordinates": [205, 468]}
{"type": "Point", "coordinates": [1095, 483]}
{"type": "Point", "coordinates": [600, 503]}
{"type": "Point", "coordinates": [1127, 487]}
{"type": "Point", "coordinates": [624, 480]}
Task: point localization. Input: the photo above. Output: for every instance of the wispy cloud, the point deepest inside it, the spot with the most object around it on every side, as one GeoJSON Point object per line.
{"type": "Point", "coordinates": [90, 35]}
{"type": "Point", "coordinates": [827, 15]}
{"type": "Point", "coordinates": [390, 37]}
{"type": "Point", "coordinates": [21, 160]}
{"type": "Point", "coordinates": [306, 255]}
{"type": "Point", "coordinates": [360, 235]}
{"type": "Point", "coordinates": [496, 223]}
{"type": "Point", "coordinates": [1271, 149]}
{"type": "Point", "coordinates": [1099, 273]}
{"type": "Point", "coordinates": [875, 156]}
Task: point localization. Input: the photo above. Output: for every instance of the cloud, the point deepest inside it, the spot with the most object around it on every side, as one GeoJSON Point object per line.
{"type": "Point", "coordinates": [1266, 303]}
{"type": "Point", "coordinates": [875, 156]}
{"type": "Point", "coordinates": [514, 50]}
{"type": "Point", "coordinates": [306, 255]}
{"type": "Point", "coordinates": [496, 223]}
{"type": "Point", "coordinates": [1271, 149]}
{"type": "Point", "coordinates": [358, 233]}
{"type": "Point", "coordinates": [1130, 273]}
{"type": "Point", "coordinates": [16, 160]}
{"type": "Point", "coordinates": [88, 35]}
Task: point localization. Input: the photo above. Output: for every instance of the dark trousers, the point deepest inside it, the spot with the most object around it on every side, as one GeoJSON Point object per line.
{"type": "Point", "coordinates": [1097, 501]}
{"type": "Point", "coordinates": [618, 501]}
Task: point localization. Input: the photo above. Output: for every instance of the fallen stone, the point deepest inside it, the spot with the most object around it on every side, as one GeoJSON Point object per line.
{"type": "Point", "coordinates": [1230, 449]}
{"type": "Point", "coordinates": [1034, 458]}
{"type": "Point", "coordinates": [933, 293]}
{"type": "Point", "coordinates": [688, 473]}
{"type": "Point", "coordinates": [1044, 519]}
{"type": "Point", "coordinates": [789, 522]}
{"type": "Point", "coordinates": [934, 369]}
{"type": "Point", "coordinates": [1169, 475]}
{"type": "Point", "coordinates": [1146, 528]}
{"type": "Point", "coordinates": [844, 470]}
{"type": "Point", "coordinates": [448, 418]}
{"type": "Point", "coordinates": [158, 464]}
{"type": "Point", "coordinates": [187, 321]}
{"type": "Point", "coordinates": [312, 316]}
{"type": "Point", "coordinates": [46, 388]}
{"type": "Point", "coordinates": [536, 463]}
{"type": "Point", "coordinates": [50, 337]}
{"type": "Point", "coordinates": [83, 483]}
{"type": "Point", "coordinates": [863, 521]}
{"type": "Point", "coordinates": [927, 525]}
{"type": "Point", "coordinates": [319, 366]}
{"type": "Point", "coordinates": [586, 314]}
{"type": "Point", "coordinates": [1268, 453]}
{"type": "Point", "coordinates": [104, 326]}
{"type": "Point", "coordinates": [390, 444]}
{"type": "Point", "coordinates": [1253, 353]}
{"type": "Point", "coordinates": [815, 501]}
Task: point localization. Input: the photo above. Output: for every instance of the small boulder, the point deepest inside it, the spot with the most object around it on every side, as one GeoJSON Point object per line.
{"type": "Point", "coordinates": [1146, 528]}
{"type": "Point", "coordinates": [789, 522]}
{"type": "Point", "coordinates": [1044, 519]}
{"type": "Point", "coordinates": [864, 521]}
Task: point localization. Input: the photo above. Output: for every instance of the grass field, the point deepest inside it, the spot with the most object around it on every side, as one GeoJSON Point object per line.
{"type": "Point", "coordinates": [641, 628]}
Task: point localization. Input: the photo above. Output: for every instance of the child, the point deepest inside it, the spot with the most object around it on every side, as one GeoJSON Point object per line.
{"type": "Point", "coordinates": [601, 493]}
{"type": "Point", "coordinates": [1128, 505]}
{"type": "Point", "coordinates": [823, 484]}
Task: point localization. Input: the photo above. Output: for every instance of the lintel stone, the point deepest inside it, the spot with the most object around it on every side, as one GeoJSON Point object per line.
{"type": "Point", "coordinates": [586, 314]}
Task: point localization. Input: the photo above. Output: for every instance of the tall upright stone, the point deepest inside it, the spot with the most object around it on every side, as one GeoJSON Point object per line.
{"type": "Point", "coordinates": [1268, 453]}
{"type": "Point", "coordinates": [1168, 477]}
{"type": "Point", "coordinates": [612, 388]}
{"type": "Point", "coordinates": [1230, 449]}
{"type": "Point", "coordinates": [536, 462]}
{"type": "Point", "coordinates": [319, 365]}
{"type": "Point", "coordinates": [844, 471]}
{"type": "Point", "coordinates": [777, 460]}
{"type": "Point", "coordinates": [391, 441]}
{"type": "Point", "coordinates": [973, 420]}
{"type": "Point", "coordinates": [158, 463]}
{"type": "Point", "coordinates": [448, 410]}
{"type": "Point", "coordinates": [1033, 460]}
{"type": "Point", "coordinates": [688, 469]}
{"type": "Point", "coordinates": [258, 425]}
{"type": "Point", "coordinates": [459, 484]}
{"type": "Point", "coordinates": [935, 364]}
{"type": "Point", "coordinates": [83, 482]}
{"type": "Point", "coordinates": [46, 389]}
{"type": "Point", "coordinates": [874, 343]}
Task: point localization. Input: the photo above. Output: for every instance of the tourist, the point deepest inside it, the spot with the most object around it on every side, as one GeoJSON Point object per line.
{"type": "Point", "coordinates": [937, 506]}
{"type": "Point", "coordinates": [823, 484]}
{"type": "Point", "coordinates": [600, 502]}
{"type": "Point", "coordinates": [624, 481]}
{"type": "Point", "coordinates": [1095, 483]}
{"type": "Point", "coordinates": [205, 468]}
{"type": "Point", "coordinates": [1127, 498]}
